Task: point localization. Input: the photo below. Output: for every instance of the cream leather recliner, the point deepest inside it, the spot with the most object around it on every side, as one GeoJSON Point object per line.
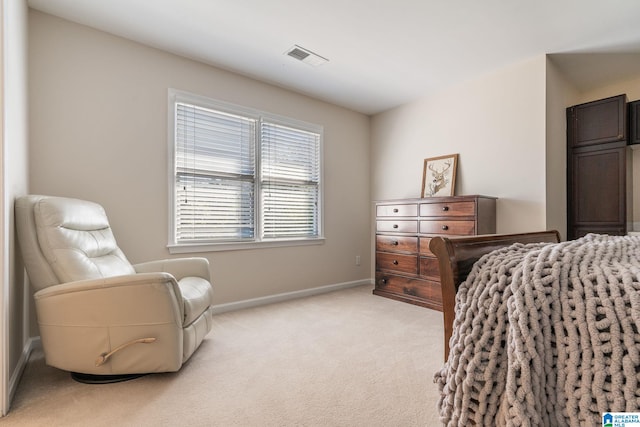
{"type": "Point", "coordinates": [99, 316]}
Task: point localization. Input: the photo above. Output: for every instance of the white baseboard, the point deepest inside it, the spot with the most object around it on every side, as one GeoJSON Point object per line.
{"type": "Point", "coordinates": [31, 344]}
{"type": "Point", "coordinates": [254, 302]}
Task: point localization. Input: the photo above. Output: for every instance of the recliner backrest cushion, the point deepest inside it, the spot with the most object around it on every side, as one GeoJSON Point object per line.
{"type": "Point", "coordinates": [77, 241]}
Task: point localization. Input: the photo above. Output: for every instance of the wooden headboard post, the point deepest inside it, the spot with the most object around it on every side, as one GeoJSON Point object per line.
{"type": "Point", "coordinates": [456, 256]}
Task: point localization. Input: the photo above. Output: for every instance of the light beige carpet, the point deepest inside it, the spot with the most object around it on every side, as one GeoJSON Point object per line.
{"type": "Point", "coordinates": [346, 358]}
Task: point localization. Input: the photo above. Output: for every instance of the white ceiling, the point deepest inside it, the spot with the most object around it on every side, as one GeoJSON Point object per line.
{"type": "Point", "coordinates": [382, 53]}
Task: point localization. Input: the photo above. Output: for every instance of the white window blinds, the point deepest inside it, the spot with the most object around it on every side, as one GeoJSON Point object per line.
{"type": "Point", "coordinates": [290, 181]}
{"type": "Point", "coordinates": [244, 177]}
{"type": "Point", "coordinates": [215, 175]}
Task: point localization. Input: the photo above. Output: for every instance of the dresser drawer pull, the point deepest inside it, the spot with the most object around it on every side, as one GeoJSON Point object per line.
{"type": "Point", "coordinates": [395, 210]}
{"type": "Point", "coordinates": [395, 243]}
{"type": "Point", "coordinates": [395, 262]}
{"type": "Point", "coordinates": [395, 225]}
{"type": "Point", "coordinates": [383, 281]}
{"type": "Point", "coordinates": [445, 227]}
{"type": "Point", "coordinates": [410, 291]}
{"type": "Point", "coordinates": [445, 208]}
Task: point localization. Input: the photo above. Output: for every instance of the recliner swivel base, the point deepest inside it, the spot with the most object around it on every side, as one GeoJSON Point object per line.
{"type": "Point", "coordinates": [103, 379]}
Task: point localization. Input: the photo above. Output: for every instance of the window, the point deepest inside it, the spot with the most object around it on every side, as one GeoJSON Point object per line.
{"type": "Point", "coordinates": [241, 177]}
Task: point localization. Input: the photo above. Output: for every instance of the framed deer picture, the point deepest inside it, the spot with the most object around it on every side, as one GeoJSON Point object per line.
{"type": "Point", "coordinates": [439, 176]}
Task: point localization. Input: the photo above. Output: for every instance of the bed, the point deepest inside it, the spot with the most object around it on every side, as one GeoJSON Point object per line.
{"type": "Point", "coordinates": [538, 331]}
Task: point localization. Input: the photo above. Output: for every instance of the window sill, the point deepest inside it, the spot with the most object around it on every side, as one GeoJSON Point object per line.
{"type": "Point", "coordinates": [238, 246]}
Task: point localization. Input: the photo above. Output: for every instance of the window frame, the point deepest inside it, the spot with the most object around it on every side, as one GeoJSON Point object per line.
{"type": "Point", "coordinates": [176, 96]}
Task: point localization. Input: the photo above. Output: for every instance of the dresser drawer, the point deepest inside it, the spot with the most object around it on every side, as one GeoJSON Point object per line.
{"type": "Point", "coordinates": [390, 226]}
{"type": "Point", "coordinates": [424, 246]}
{"type": "Point", "coordinates": [429, 267]}
{"type": "Point", "coordinates": [406, 286]}
{"type": "Point", "coordinates": [463, 228]}
{"type": "Point", "coordinates": [453, 209]}
{"type": "Point", "coordinates": [396, 244]}
{"type": "Point", "coordinates": [397, 210]}
{"type": "Point", "coordinates": [397, 262]}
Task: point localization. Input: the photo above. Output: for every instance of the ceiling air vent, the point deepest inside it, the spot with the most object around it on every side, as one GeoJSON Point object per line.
{"type": "Point", "coordinates": [306, 56]}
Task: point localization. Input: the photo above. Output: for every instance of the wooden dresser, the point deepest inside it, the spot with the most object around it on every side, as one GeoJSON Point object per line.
{"type": "Point", "coordinates": [405, 268]}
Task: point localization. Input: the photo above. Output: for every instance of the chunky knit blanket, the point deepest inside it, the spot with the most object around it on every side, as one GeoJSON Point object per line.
{"type": "Point", "coordinates": [546, 335]}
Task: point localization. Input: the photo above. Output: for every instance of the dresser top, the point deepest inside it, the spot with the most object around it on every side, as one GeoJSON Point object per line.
{"type": "Point", "coordinates": [435, 199]}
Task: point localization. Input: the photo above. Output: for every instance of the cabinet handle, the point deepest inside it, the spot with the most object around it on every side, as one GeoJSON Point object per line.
{"type": "Point", "coordinates": [383, 281]}
{"type": "Point", "coordinates": [395, 262]}
{"type": "Point", "coordinates": [395, 210]}
{"type": "Point", "coordinates": [445, 208]}
{"type": "Point", "coordinates": [395, 225]}
{"type": "Point", "coordinates": [394, 243]}
{"type": "Point", "coordinates": [445, 227]}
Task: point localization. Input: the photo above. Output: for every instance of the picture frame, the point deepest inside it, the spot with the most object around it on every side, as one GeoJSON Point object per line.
{"type": "Point", "coordinates": [439, 176]}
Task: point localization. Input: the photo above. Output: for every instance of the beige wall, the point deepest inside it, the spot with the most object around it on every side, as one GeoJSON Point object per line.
{"type": "Point", "coordinates": [14, 180]}
{"type": "Point", "coordinates": [98, 127]}
{"type": "Point", "coordinates": [560, 94]}
{"type": "Point", "coordinates": [629, 86]}
{"type": "Point", "coordinates": [497, 125]}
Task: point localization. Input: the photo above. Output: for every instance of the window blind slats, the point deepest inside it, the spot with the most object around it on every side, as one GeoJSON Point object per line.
{"type": "Point", "coordinates": [289, 153]}
{"type": "Point", "coordinates": [221, 209]}
{"type": "Point", "coordinates": [291, 180]}
{"type": "Point", "coordinates": [290, 211]}
{"type": "Point", "coordinates": [217, 141]}
{"type": "Point", "coordinates": [215, 175]}
{"type": "Point", "coordinates": [217, 183]}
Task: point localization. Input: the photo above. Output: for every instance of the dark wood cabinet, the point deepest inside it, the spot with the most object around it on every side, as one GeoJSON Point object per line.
{"type": "Point", "coordinates": [597, 168]}
{"type": "Point", "coordinates": [598, 122]}
{"type": "Point", "coordinates": [599, 198]}
{"type": "Point", "coordinates": [406, 270]}
{"type": "Point", "coordinates": [634, 122]}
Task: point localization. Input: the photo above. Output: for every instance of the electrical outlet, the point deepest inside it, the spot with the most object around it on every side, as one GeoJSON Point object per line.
{"type": "Point", "coordinates": [357, 259]}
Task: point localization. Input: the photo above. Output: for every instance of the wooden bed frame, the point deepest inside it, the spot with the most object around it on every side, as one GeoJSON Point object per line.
{"type": "Point", "coordinates": [456, 256]}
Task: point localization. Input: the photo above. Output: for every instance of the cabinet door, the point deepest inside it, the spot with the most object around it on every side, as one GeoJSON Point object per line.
{"type": "Point", "coordinates": [597, 122]}
{"type": "Point", "coordinates": [597, 191]}
{"type": "Point", "coordinates": [634, 122]}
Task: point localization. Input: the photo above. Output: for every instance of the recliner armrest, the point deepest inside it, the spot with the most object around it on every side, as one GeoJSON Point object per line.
{"type": "Point", "coordinates": [178, 267]}
{"type": "Point", "coordinates": [118, 299]}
